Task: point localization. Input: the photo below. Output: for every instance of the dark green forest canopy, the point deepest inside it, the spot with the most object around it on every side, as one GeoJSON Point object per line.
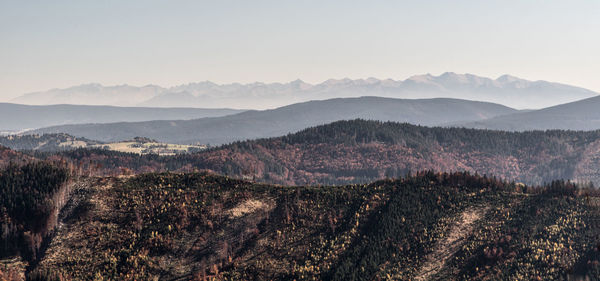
{"type": "Point", "coordinates": [28, 205]}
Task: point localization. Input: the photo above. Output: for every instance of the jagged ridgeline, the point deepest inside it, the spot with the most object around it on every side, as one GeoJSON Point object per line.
{"type": "Point", "coordinates": [428, 226]}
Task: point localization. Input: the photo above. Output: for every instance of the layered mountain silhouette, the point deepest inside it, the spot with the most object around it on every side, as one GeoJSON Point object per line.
{"type": "Point", "coordinates": [292, 118]}
{"type": "Point", "coordinates": [15, 117]}
{"type": "Point", "coordinates": [580, 115]}
{"type": "Point", "coordinates": [507, 90]}
{"type": "Point", "coordinates": [92, 94]}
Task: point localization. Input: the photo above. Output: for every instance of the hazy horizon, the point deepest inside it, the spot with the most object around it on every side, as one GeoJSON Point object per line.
{"type": "Point", "coordinates": [59, 44]}
{"type": "Point", "coordinates": [313, 83]}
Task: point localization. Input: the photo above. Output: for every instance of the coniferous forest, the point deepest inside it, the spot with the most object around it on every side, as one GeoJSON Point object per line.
{"type": "Point", "coordinates": [361, 151]}
{"type": "Point", "coordinates": [376, 201]}
{"type": "Point", "coordinates": [199, 226]}
{"type": "Point", "coordinates": [31, 196]}
{"type": "Point", "coordinates": [299, 140]}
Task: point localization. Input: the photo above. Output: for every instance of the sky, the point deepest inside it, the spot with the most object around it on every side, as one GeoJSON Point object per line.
{"type": "Point", "coordinates": [58, 44]}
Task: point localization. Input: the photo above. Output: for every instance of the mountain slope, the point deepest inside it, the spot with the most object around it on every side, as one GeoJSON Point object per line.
{"type": "Point", "coordinates": [92, 94]}
{"type": "Point", "coordinates": [207, 227]}
{"type": "Point", "coordinates": [507, 90]}
{"type": "Point", "coordinates": [8, 155]}
{"type": "Point", "coordinates": [280, 121]}
{"type": "Point", "coordinates": [579, 115]}
{"type": "Point", "coordinates": [19, 117]}
{"type": "Point", "coordinates": [361, 151]}
{"type": "Point", "coordinates": [44, 143]}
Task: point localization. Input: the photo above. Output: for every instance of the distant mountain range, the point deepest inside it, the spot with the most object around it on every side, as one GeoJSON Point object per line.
{"type": "Point", "coordinates": [292, 118]}
{"type": "Point", "coordinates": [16, 117]}
{"type": "Point", "coordinates": [580, 115]}
{"type": "Point", "coordinates": [92, 94]}
{"type": "Point", "coordinates": [507, 90]}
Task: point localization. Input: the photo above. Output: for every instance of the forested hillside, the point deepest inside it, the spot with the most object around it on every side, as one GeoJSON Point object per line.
{"type": "Point", "coordinates": [429, 225]}
{"type": "Point", "coordinates": [359, 151]}
{"type": "Point", "coordinates": [48, 142]}
{"type": "Point", "coordinates": [362, 151]}
{"type": "Point", "coordinates": [31, 196]}
{"type": "Point", "coordinates": [8, 155]}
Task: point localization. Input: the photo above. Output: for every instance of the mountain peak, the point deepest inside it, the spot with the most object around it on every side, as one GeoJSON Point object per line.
{"type": "Point", "coordinates": [372, 80]}
{"type": "Point", "coordinates": [451, 76]}
{"type": "Point", "coordinates": [508, 79]}
{"type": "Point", "coordinates": [299, 84]}
{"type": "Point", "coordinates": [423, 78]}
{"type": "Point", "coordinates": [330, 82]}
{"type": "Point", "coordinates": [463, 78]}
{"type": "Point", "coordinates": [86, 86]}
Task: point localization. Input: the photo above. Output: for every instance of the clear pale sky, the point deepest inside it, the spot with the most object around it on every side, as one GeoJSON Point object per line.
{"type": "Point", "coordinates": [57, 44]}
